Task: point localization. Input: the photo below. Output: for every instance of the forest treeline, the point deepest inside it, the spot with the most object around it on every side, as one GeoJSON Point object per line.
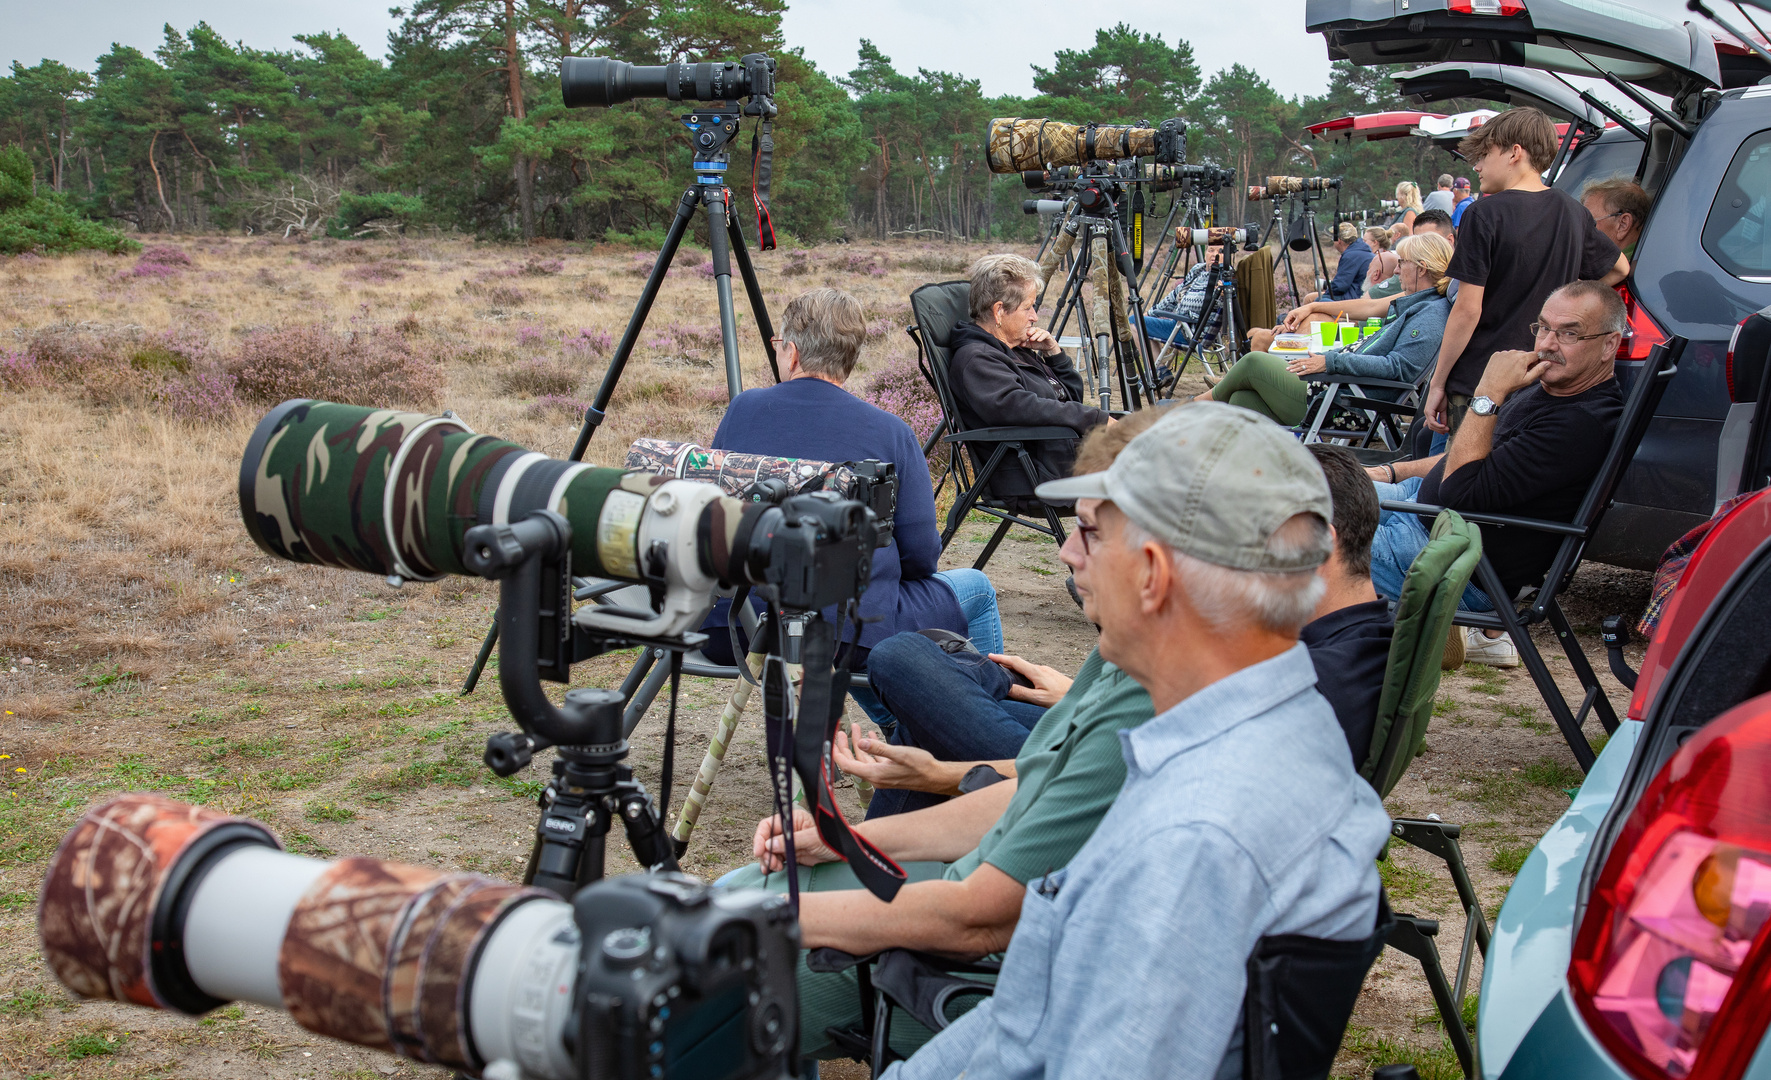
{"type": "Point", "coordinates": [461, 128]}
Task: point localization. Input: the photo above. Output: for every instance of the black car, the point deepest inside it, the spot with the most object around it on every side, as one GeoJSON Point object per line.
{"type": "Point", "coordinates": [1703, 264]}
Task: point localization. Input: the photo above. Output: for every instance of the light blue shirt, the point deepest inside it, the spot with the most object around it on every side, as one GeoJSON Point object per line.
{"type": "Point", "coordinates": [1241, 816]}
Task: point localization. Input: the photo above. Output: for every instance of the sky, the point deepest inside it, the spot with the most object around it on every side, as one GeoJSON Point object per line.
{"type": "Point", "coordinates": [995, 42]}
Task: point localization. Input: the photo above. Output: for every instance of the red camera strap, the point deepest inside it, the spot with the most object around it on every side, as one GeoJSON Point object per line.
{"type": "Point", "coordinates": [762, 165]}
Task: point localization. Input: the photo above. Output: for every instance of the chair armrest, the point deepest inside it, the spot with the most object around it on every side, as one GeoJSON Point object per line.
{"type": "Point", "coordinates": [1559, 528]}
{"type": "Point", "coordinates": [1359, 380]}
{"type": "Point", "coordinates": [1011, 434]}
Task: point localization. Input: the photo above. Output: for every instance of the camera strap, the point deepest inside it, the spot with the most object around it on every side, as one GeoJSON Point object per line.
{"type": "Point", "coordinates": [762, 165]}
{"type": "Point", "coordinates": [822, 686]}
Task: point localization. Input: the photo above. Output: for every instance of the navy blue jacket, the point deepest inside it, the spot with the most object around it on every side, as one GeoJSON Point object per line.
{"type": "Point", "coordinates": [1349, 277]}
{"type": "Point", "coordinates": [813, 419]}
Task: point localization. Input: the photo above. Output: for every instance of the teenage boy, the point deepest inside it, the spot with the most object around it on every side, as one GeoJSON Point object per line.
{"type": "Point", "coordinates": [1517, 244]}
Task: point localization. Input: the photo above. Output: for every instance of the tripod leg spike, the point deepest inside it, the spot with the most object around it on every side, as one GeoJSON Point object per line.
{"type": "Point", "coordinates": [716, 753]}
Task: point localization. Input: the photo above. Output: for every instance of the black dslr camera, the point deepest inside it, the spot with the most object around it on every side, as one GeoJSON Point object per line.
{"type": "Point", "coordinates": [676, 979]}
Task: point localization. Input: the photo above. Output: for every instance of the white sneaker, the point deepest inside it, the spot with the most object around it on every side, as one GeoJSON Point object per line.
{"type": "Point", "coordinates": [1479, 648]}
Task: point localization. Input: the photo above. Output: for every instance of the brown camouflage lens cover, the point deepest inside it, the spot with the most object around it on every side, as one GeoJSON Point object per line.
{"type": "Point", "coordinates": [1019, 144]}
{"type": "Point", "coordinates": [103, 885]}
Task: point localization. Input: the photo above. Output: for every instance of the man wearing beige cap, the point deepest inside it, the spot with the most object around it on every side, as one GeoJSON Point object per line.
{"type": "Point", "coordinates": [1241, 816]}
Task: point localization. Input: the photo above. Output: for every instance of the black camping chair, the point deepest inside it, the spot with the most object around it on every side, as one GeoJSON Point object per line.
{"type": "Point", "coordinates": [1345, 400]}
{"type": "Point", "coordinates": [1301, 993]}
{"type": "Point", "coordinates": [974, 456]}
{"type": "Point", "coordinates": [1516, 617]}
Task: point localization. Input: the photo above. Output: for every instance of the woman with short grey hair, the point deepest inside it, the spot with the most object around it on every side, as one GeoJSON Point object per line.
{"type": "Point", "coordinates": [1008, 371]}
{"type": "Point", "coordinates": [822, 332]}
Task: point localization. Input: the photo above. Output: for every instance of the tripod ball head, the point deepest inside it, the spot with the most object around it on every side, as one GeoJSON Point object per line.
{"type": "Point", "coordinates": [508, 752]}
{"type": "Point", "coordinates": [595, 713]}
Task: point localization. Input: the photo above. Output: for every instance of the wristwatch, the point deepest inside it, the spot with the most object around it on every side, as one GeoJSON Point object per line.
{"type": "Point", "coordinates": [1483, 406]}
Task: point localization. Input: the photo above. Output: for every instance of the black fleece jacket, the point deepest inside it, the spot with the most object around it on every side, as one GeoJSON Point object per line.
{"type": "Point", "coordinates": [997, 386]}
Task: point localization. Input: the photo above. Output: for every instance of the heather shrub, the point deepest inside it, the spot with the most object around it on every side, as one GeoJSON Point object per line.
{"type": "Point", "coordinates": [529, 337]}
{"type": "Point", "coordinates": [693, 344]}
{"type": "Point", "coordinates": [373, 273]}
{"type": "Point", "coordinates": [161, 262]}
{"type": "Point", "coordinates": [706, 270]}
{"type": "Point", "coordinates": [941, 262]}
{"type": "Point", "coordinates": [364, 366]}
{"type": "Point", "coordinates": [589, 342]}
{"type": "Point", "coordinates": [494, 292]}
{"type": "Point", "coordinates": [688, 256]}
{"type": "Point", "coordinates": [207, 394]}
{"type": "Point", "coordinates": [538, 377]}
{"type": "Point", "coordinates": [542, 267]}
{"type": "Point", "coordinates": [557, 407]}
{"type": "Point", "coordinates": [900, 389]}
{"type": "Point", "coordinates": [798, 263]}
{"type": "Point", "coordinates": [595, 291]}
{"type": "Point", "coordinates": [871, 263]}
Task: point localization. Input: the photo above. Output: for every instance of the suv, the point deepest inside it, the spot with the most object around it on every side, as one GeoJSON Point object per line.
{"type": "Point", "coordinates": [1703, 263]}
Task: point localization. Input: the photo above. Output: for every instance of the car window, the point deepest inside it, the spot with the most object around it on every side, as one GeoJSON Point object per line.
{"type": "Point", "coordinates": [1737, 233]}
{"type": "Point", "coordinates": [1600, 159]}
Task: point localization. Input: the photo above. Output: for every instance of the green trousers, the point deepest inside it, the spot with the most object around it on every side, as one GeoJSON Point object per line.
{"type": "Point", "coordinates": [1260, 382]}
{"type": "Point", "coordinates": [834, 1000]}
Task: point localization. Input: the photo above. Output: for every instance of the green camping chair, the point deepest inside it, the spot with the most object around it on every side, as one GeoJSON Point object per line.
{"type": "Point", "coordinates": [1429, 600]}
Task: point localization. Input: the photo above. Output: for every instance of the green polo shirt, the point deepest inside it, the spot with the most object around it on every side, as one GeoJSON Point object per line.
{"type": "Point", "coordinates": [1067, 774]}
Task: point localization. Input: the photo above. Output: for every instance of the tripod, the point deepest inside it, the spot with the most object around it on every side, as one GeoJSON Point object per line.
{"type": "Point", "coordinates": [1220, 298]}
{"type": "Point", "coordinates": [591, 787]}
{"type": "Point", "coordinates": [1112, 341]}
{"type": "Point", "coordinates": [1312, 241]}
{"type": "Point", "coordinates": [712, 131]}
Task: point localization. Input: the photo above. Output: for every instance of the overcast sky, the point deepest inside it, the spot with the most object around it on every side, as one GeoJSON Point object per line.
{"type": "Point", "coordinates": [993, 42]}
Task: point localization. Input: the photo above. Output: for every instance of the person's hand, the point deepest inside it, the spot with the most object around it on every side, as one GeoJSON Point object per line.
{"type": "Point", "coordinates": [1307, 365]}
{"type": "Point", "coordinates": [770, 846]}
{"type": "Point", "coordinates": [1049, 684]}
{"type": "Point", "coordinates": [885, 765]}
{"type": "Point", "coordinates": [1040, 340]}
{"type": "Point", "coordinates": [1297, 317]}
{"type": "Point", "coordinates": [1434, 410]}
{"type": "Point", "coordinates": [1509, 372]}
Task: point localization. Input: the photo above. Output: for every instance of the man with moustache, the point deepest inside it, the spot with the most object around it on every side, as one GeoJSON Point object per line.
{"type": "Point", "coordinates": [1537, 431]}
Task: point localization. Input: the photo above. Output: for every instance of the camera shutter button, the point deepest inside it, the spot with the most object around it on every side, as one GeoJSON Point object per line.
{"type": "Point", "coordinates": [628, 946]}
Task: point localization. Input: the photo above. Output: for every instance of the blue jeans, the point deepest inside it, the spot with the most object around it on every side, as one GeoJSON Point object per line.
{"type": "Point", "coordinates": [983, 624]}
{"type": "Point", "coordinates": [1399, 538]}
{"type": "Point", "coordinates": [1158, 328]}
{"type": "Point", "coordinates": [954, 705]}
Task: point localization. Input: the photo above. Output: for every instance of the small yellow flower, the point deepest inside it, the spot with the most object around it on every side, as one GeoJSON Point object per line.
{"type": "Point", "coordinates": [19, 769]}
{"type": "Point", "coordinates": [3, 757]}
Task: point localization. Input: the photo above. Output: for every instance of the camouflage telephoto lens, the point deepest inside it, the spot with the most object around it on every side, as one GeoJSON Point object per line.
{"type": "Point", "coordinates": [1017, 144]}
{"type": "Point", "coordinates": [394, 493]}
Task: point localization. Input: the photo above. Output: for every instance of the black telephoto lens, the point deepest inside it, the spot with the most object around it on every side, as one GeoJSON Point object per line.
{"type": "Point", "coordinates": [597, 80]}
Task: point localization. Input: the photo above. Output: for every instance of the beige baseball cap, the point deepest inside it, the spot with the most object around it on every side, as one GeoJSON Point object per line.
{"type": "Point", "coordinates": [1215, 482]}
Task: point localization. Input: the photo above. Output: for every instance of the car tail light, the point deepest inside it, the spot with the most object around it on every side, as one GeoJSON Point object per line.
{"type": "Point", "coordinates": [1645, 333]}
{"type": "Point", "coordinates": [1671, 966]}
{"type": "Point", "coordinates": [1487, 7]}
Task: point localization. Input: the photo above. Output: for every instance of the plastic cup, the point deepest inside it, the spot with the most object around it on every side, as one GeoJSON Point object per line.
{"type": "Point", "coordinates": [1327, 330]}
{"type": "Point", "coordinates": [1349, 334]}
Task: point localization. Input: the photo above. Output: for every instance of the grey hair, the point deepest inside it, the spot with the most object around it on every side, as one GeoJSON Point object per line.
{"type": "Point", "coordinates": [1614, 318]}
{"type": "Point", "coordinates": [1001, 279]}
{"type": "Point", "coordinates": [829, 327]}
{"type": "Point", "coordinates": [1224, 597]}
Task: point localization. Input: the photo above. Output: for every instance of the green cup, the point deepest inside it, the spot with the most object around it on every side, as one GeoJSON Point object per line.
{"type": "Point", "coordinates": [1349, 334]}
{"type": "Point", "coordinates": [1327, 330]}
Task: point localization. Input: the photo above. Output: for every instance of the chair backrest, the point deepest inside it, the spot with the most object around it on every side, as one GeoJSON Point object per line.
{"type": "Point", "coordinates": [938, 309]}
{"type": "Point", "coordinates": [1639, 405]}
{"type": "Point", "coordinates": [1430, 594]}
{"type": "Point", "coordinates": [1301, 993]}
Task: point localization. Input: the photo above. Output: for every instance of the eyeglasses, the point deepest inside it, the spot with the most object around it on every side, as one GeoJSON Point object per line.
{"type": "Point", "coordinates": [1566, 337]}
{"type": "Point", "coordinates": [1086, 531]}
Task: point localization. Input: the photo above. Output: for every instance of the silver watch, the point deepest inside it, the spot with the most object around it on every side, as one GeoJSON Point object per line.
{"type": "Point", "coordinates": [1483, 406]}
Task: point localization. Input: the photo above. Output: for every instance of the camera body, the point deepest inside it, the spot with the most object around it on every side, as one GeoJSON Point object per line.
{"type": "Point", "coordinates": [815, 549]}
{"type": "Point", "coordinates": [1171, 142]}
{"type": "Point", "coordinates": [678, 979]}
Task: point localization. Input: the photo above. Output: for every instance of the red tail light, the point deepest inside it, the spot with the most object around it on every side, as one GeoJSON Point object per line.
{"type": "Point", "coordinates": [1487, 7]}
{"type": "Point", "coordinates": [1671, 966]}
{"type": "Point", "coordinates": [1645, 333]}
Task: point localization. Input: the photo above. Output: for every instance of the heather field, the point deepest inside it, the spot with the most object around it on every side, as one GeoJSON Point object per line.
{"type": "Point", "coordinates": [145, 643]}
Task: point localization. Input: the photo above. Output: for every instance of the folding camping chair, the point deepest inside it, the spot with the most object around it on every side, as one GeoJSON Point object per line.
{"type": "Point", "coordinates": [1643, 397]}
{"type": "Point", "coordinates": [974, 457]}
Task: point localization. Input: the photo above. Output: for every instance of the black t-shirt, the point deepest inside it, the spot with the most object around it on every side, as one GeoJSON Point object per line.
{"type": "Point", "coordinates": [1520, 246]}
{"type": "Point", "coordinates": [1546, 451]}
{"type": "Point", "coordinates": [1351, 650]}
